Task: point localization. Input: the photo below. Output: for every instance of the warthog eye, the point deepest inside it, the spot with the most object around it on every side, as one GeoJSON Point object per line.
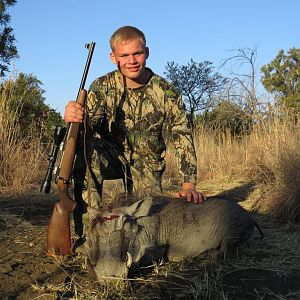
{"type": "Point", "coordinates": [130, 219]}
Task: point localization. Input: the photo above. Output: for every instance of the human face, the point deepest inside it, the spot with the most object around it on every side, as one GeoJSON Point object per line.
{"type": "Point", "coordinates": [131, 58]}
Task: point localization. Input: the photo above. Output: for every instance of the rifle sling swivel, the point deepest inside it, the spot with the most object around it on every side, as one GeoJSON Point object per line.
{"type": "Point", "coordinates": [65, 181]}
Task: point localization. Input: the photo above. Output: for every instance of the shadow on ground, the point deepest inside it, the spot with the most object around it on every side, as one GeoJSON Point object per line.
{"type": "Point", "coordinates": [238, 194]}
{"type": "Point", "coordinates": [34, 208]}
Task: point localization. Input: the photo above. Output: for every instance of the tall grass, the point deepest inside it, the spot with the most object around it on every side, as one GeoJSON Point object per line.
{"type": "Point", "coordinates": [20, 155]}
{"type": "Point", "coordinates": [277, 167]}
{"type": "Point", "coordinates": [269, 156]}
{"type": "Point", "coordinates": [221, 155]}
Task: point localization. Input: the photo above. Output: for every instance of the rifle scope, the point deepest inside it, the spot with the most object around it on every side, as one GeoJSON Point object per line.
{"type": "Point", "coordinates": [58, 135]}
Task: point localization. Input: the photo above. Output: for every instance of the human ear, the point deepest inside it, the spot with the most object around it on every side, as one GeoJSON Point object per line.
{"type": "Point", "coordinates": [113, 57]}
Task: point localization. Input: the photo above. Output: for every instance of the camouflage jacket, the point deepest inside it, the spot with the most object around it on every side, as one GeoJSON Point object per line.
{"type": "Point", "coordinates": [141, 121]}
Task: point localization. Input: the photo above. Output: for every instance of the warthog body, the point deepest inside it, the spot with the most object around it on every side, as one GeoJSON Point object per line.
{"type": "Point", "coordinates": [159, 227]}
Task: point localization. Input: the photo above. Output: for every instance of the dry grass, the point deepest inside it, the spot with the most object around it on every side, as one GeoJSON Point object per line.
{"type": "Point", "coordinates": [21, 156]}
{"type": "Point", "coordinates": [222, 155]}
{"type": "Point", "coordinates": [269, 158]}
{"type": "Point", "coordinates": [278, 170]}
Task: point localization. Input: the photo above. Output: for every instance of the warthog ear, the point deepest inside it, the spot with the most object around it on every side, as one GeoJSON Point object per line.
{"type": "Point", "coordinates": [140, 208]}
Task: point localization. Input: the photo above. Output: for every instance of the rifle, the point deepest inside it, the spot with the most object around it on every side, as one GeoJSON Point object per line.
{"type": "Point", "coordinates": [58, 232]}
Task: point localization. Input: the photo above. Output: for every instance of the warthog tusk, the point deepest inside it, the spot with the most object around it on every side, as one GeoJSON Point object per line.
{"type": "Point", "coordinates": [129, 260]}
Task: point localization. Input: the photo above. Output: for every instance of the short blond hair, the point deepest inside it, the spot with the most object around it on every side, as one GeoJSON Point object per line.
{"type": "Point", "coordinates": [125, 34]}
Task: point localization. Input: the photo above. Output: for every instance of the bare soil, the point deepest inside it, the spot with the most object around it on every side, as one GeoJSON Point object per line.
{"type": "Point", "coordinates": [264, 269]}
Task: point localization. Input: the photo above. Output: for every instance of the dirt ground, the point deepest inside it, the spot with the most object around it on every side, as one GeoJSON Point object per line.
{"type": "Point", "coordinates": [265, 269]}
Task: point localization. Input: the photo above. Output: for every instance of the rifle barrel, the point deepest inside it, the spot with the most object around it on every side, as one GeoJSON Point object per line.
{"type": "Point", "coordinates": [91, 47]}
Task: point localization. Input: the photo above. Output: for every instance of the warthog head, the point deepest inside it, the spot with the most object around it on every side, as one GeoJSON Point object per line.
{"type": "Point", "coordinates": [110, 237]}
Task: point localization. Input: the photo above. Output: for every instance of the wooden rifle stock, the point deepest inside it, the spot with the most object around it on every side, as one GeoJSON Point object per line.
{"type": "Point", "coordinates": [58, 232]}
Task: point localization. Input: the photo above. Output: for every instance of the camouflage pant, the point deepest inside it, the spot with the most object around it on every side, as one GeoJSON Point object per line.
{"type": "Point", "coordinates": [106, 163]}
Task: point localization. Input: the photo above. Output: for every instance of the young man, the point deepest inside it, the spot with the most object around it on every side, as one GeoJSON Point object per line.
{"type": "Point", "coordinates": [130, 114]}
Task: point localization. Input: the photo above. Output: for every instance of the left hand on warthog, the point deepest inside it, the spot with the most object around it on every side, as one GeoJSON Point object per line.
{"type": "Point", "coordinates": [189, 192]}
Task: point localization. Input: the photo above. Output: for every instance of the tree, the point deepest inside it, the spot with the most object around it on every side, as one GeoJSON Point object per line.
{"type": "Point", "coordinates": [26, 101]}
{"type": "Point", "coordinates": [8, 50]}
{"type": "Point", "coordinates": [197, 83]}
{"type": "Point", "coordinates": [228, 115]}
{"type": "Point", "coordinates": [242, 85]}
{"type": "Point", "coordinates": [281, 77]}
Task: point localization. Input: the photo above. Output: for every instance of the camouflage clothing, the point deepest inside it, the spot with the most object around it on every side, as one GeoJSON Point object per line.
{"type": "Point", "coordinates": [130, 128]}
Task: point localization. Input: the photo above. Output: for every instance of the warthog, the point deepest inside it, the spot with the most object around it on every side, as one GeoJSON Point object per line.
{"type": "Point", "coordinates": [160, 227]}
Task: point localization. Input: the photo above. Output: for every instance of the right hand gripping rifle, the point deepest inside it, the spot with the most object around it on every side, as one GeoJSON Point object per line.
{"type": "Point", "coordinates": [58, 233]}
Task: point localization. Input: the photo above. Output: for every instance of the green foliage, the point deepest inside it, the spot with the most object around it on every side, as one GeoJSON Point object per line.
{"type": "Point", "coordinates": [225, 116]}
{"type": "Point", "coordinates": [281, 77]}
{"type": "Point", "coordinates": [197, 83]}
{"type": "Point", "coordinates": [8, 50]}
{"type": "Point", "coordinates": [26, 101]}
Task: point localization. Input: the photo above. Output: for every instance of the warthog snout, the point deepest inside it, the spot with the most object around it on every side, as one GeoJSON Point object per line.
{"type": "Point", "coordinates": [111, 271]}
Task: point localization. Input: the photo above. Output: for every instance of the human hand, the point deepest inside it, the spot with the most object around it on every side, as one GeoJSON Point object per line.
{"type": "Point", "coordinates": [73, 112]}
{"type": "Point", "coordinates": [189, 192]}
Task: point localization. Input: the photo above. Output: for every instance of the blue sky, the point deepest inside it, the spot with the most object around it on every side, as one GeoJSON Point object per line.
{"type": "Point", "coordinates": [51, 35]}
